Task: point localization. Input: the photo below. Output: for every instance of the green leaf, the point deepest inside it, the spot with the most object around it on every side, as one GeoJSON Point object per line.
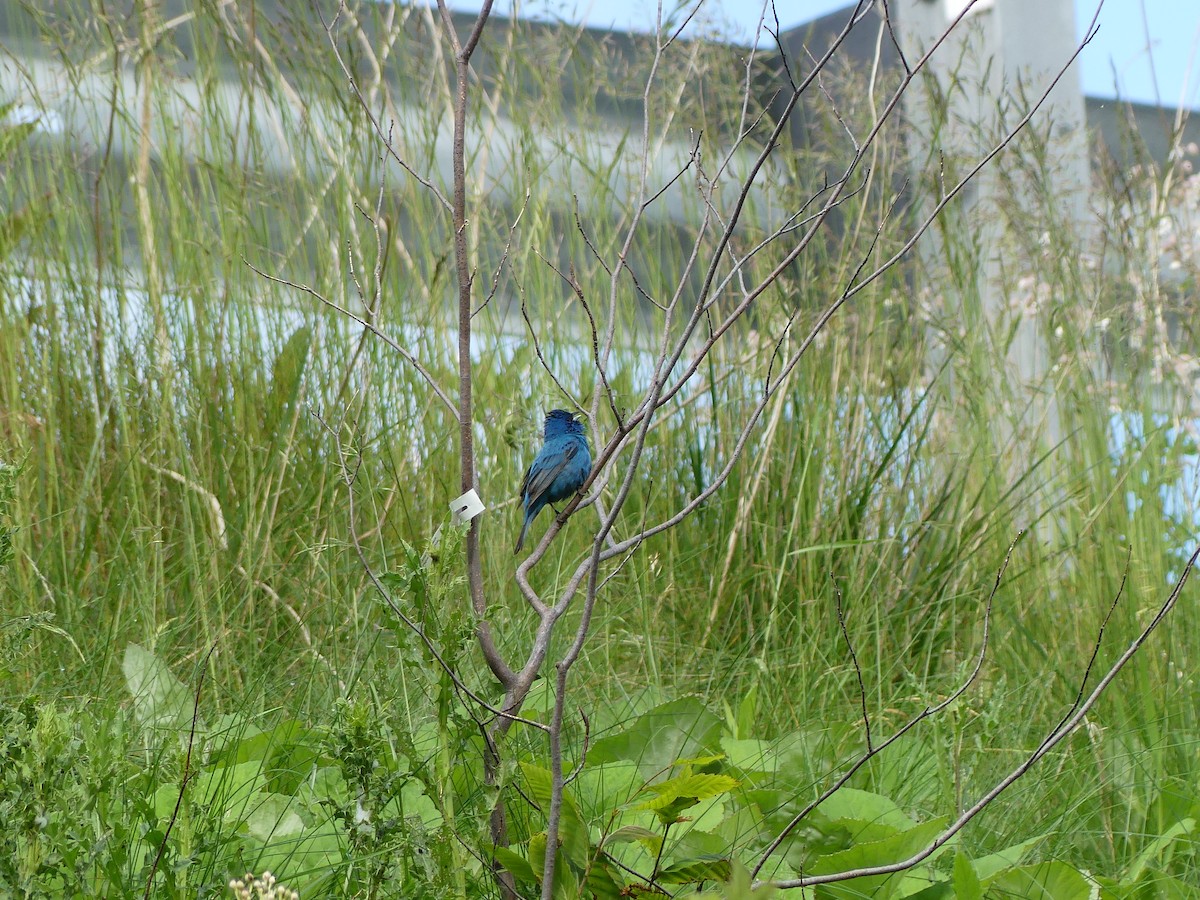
{"type": "Point", "coordinates": [539, 782]}
{"type": "Point", "coordinates": [412, 803]}
{"type": "Point", "coordinates": [165, 798]}
{"type": "Point", "coordinates": [987, 866]}
{"type": "Point", "coordinates": [517, 864]}
{"type": "Point", "coordinates": [690, 870]}
{"type": "Point", "coordinates": [739, 887]}
{"type": "Point", "coordinates": [695, 787]}
{"type": "Point", "coordinates": [966, 882]}
{"type": "Point", "coordinates": [939, 890]}
{"type": "Point", "coordinates": [572, 832]}
{"type": "Point", "coordinates": [1041, 881]}
{"type": "Point", "coordinates": [603, 789]}
{"type": "Point", "coordinates": [300, 850]}
{"type": "Point", "coordinates": [747, 712]}
{"type": "Point", "coordinates": [602, 882]}
{"type": "Point", "coordinates": [160, 700]}
{"type": "Point", "coordinates": [228, 791]}
{"type": "Point", "coordinates": [1155, 848]}
{"type": "Point", "coordinates": [657, 739]}
{"type": "Point", "coordinates": [566, 885]}
{"type": "Point", "coordinates": [700, 762]}
{"type": "Point", "coordinates": [867, 816]}
{"type": "Point", "coordinates": [750, 755]}
{"type": "Point", "coordinates": [535, 854]}
{"type": "Point", "coordinates": [274, 818]}
{"type": "Point", "coordinates": [890, 850]}
{"type": "Point", "coordinates": [651, 840]}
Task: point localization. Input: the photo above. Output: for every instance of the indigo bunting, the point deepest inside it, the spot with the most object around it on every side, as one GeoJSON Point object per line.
{"type": "Point", "coordinates": [558, 471]}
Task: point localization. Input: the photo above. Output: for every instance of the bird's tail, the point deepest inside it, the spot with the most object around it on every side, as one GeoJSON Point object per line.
{"type": "Point", "coordinates": [521, 536]}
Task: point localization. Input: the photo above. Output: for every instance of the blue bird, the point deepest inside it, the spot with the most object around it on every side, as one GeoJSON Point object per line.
{"type": "Point", "coordinates": [558, 471]}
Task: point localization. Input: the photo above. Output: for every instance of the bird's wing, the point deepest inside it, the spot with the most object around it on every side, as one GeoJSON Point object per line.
{"type": "Point", "coordinates": [538, 479]}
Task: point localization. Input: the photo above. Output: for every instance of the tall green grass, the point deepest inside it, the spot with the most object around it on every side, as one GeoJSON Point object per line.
{"type": "Point", "coordinates": [168, 411]}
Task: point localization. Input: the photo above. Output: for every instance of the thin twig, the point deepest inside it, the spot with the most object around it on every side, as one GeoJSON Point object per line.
{"type": "Point", "coordinates": [903, 729]}
{"type": "Point", "coordinates": [503, 257]}
{"type": "Point", "coordinates": [537, 349]}
{"type": "Point", "coordinates": [383, 336]}
{"type": "Point", "coordinates": [862, 690]}
{"type": "Point", "coordinates": [366, 108]}
{"type": "Point", "coordinates": [187, 772]}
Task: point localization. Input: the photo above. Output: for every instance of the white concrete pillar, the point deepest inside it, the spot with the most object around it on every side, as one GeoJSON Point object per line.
{"type": "Point", "coordinates": [1000, 60]}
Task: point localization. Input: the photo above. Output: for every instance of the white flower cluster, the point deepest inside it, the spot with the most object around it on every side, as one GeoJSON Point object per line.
{"type": "Point", "coordinates": [264, 887]}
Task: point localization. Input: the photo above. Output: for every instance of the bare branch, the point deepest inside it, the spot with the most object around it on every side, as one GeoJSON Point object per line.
{"type": "Point", "coordinates": [503, 257]}
{"type": "Point", "coordinates": [383, 336]}
{"type": "Point", "coordinates": [887, 18]}
{"type": "Point", "coordinates": [573, 283]}
{"type": "Point", "coordinates": [1055, 737]}
{"type": "Point", "coordinates": [537, 345]}
{"type": "Point", "coordinates": [912, 723]}
{"type": "Point", "coordinates": [385, 139]}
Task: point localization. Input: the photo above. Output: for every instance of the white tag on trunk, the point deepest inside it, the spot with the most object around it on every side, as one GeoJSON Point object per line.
{"type": "Point", "coordinates": [463, 509]}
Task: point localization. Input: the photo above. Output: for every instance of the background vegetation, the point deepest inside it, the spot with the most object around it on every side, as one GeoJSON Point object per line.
{"type": "Point", "coordinates": [200, 680]}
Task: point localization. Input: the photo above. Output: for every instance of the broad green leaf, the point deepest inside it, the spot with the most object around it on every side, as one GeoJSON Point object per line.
{"type": "Point", "coordinates": [694, 787]}
{"type": "Point", "coordinates": [750, 754]}
{"type": "Point", "coordinates": [700, 762]}
{"type": "Point", "coordinates": [602, 789]}
{"type": "Point", "coordinates": [165, 800]}
{"type": "Point", "coordinates": [572, 832]}
{"type": "Point", "coordinates": [263, 745]}
{"type": "Point", "coordinates": [863, 811]}
{"type": "Point", "coordinates": [966, 882]}
{"type": "Point", "coordinates": [517, 864]}
{"type": "Point", "coordinates": [302, 856]}
{"type": "Point", "coordinates": [987, 866]}
{"type": "Point", "coordinates": [691, 870]}
{"type": "Point", "coordinates": [939, 890]}
{"type": "Point", "coordinates": [540, 784]}
{"type": "Point", "coordinates": [747, 712]}
{"type": "Point", "coordinates": [228, 790]}
{"type": "Point", "coordinates": [566, 885]}
{"type": "Point", "coordinates": [682, 793]}
{"type": "Point", "coordinates": [328, 783]}
{"type": "Point", "coordinates": [226, 737]}
{"type": "Point", "coordinates": [893, 849]}
{"type": "Point", "coordinates": [1155, 848]}
{"type": "Point", "coordinates": [413, 803]}
{"type": "Point", "coordinates": [655, 740]}
{"type": "Point", "coordinates": [273, 817]}
{"type": "Point", "coordinates": [535, 854]}
{"type": "Point", "coordinates": [160, 700]}
{"type": "Point", "coordinates": [739, 887]}
{"type": "Point", "coordinates": [1041, 881]}
{"type": "Point", "coordinates": [695, 843]}
{"type": "Point", "coordinates": [742, 825]}
{"type": "Point", "coordinates": [651, 840]}
{"type": "Point", "coordinates": [602, 883]}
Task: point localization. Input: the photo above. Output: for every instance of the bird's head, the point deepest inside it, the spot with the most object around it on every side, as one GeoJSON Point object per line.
{"type": "Point", "coordinates": [559, 421]}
